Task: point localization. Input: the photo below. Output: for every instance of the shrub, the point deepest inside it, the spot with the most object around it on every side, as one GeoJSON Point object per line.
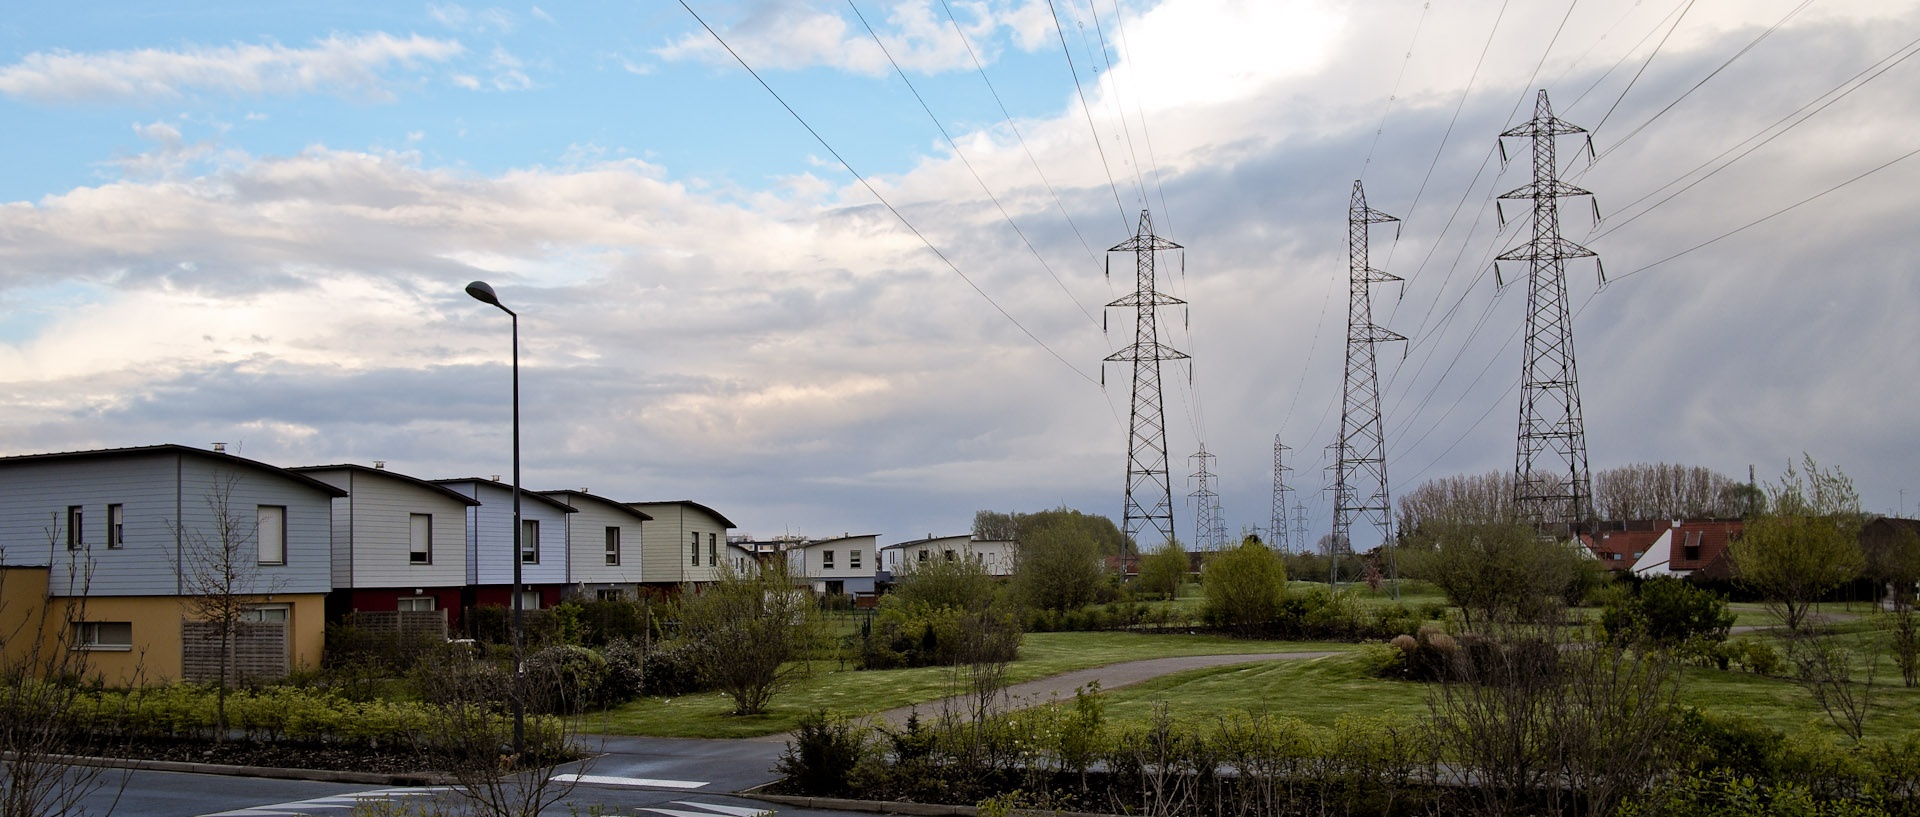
{"type": "Point", "coordinates": [822, 755]}
{"type": "Point", "coordinates": [565, 679]}
{"type": "Point", "coordinates": [1668, 611]}
{"type": "Point", "coordinates": [672, 670]}
{"type": "Point", "coordinates": [626, 672]}
{"type": "Point", "coordinates": [1243, 587]}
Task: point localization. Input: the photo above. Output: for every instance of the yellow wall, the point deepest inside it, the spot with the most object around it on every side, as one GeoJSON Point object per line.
{"type": "Point", "coordinates": [155, 656]}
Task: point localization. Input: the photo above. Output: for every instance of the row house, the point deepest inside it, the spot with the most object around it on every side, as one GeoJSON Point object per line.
{"type": "Point", "coordinates": [115, 544]}
{"type": "Point", "coordinates": [116, 539]}
{"type": "Point", "coordinates": [844, 565]}
{"type": "Point", "coordinates": [995, 556]}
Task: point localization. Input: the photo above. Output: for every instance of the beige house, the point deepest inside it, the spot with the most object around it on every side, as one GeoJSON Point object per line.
{"type": "Point", "coordinates": [684, 543]}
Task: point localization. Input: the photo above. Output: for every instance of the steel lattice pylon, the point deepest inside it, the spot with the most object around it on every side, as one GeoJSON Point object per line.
{"type": "Point", "coordinates": [1278, 524]}
{"type": "Point", "coordinates": [1551, 484]}
{"type": "Point", "coordinates": [1205, 502]}
{"type": "Point", "coordinates": [1149, 501]}
{"type": "Point", "coordinates": [1360, 453]}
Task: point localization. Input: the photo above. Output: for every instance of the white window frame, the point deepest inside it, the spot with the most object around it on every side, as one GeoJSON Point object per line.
{"type": "Point", "coordinates": [76, 527]}
{"type": "Point", "coordinates": [529, 541]}
{"type": "Point", "coordinates": [88, 635]}
{"type": "Point", "coordinates": [282, 613]}
{"type": "Point", "coordinates": [853, 559]}
{"type": "Point", "coordinates": [613, 545]}
{"type": "Point", "coordinates": [826, 560]}
{"type": "Point", "coordinates": [271, 532]}
{"type": "Point", "coordinates": [416, 604]}
{"type": "Point", "coordinates": [419, 549]}
{"type": "Point", "coordinates": [116, 526]}
{"type": "Point", "coordinates": [529, 599]}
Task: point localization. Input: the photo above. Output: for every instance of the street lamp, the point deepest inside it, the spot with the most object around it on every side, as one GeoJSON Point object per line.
{"type": "Point", "coordinates": [483, 293]}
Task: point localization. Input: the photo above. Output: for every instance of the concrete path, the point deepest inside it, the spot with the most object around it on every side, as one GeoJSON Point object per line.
{"type": "Point", "coordinates": [1110, 676]}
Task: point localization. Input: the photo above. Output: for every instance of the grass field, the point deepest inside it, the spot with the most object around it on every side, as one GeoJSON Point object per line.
{"type": "Point", "coordinates": [851, 692]}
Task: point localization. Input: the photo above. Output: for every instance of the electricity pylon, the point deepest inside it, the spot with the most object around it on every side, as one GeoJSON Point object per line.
{"type": "Point", "coordinates": [1149, 502]}
{"type": "Point", "coordinates": [1360, 453]}
{"type": "Point", "coordinates": [1205, 502]}
{"type": "Point", "coordinates": [1277, 527]}
{"type": "Point", "coordinates": [1551, 484]}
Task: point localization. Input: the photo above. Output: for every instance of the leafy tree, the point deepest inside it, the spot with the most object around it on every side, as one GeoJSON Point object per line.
{"type": "Point", "coordinates": [1059, 566]}
{"type": "Point", "coordinates": [1244, 587]}
{"type": "Point", "coordinates": [751, 630]}
{"type": "Point", "coordinates": [1668, 610]}
{"type": "Point", "coordinates": [1892, 549]}
{"type": "Point", "coordinates": [1805, 545]}
{"type": "Point", "coordinates": [1163, 571]}
{"type": "Point", "coordinates": [993, 525]}
{"type": "Point", "coordinates": [1498, 573]}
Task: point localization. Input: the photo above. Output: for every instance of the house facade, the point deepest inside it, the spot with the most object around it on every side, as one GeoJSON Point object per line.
{"type": "Point", "coordinates": [683, 544]}
{"type": "Point", "coordinates": [842, 566]}
{"type": "Point", "coordinates": [995, 556]}
{"type": "Point", "coordinates": [118, 543]}
{"type": "Point", "coordinates": [490, 545]}
{"type": "Point", "coordinates": [604, 541]}
{"type": "Point", "coordinates": [399, 542]}
{"type": "Point", "coordinates": [1685, 548]}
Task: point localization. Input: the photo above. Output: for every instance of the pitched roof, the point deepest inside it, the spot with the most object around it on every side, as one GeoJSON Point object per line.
{"type": "Point", "coordinates": [724, 522]}
{"type": "Point", "coordinates": [416, 481]}
{"type": "Point", "coordinates": [172, 448]}
{"type": "Point", "coordinates": [535, 495]}
{"type": "Point", "coordinates": [622, 506]}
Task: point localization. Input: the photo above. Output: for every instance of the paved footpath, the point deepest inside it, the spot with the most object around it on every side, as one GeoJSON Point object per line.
{"type": "Point", "coordinates": [1110, 676]}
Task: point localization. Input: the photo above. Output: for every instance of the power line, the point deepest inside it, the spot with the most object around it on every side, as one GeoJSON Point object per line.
{"type": "Point", "coordinates": [883, 199]}
{"type": "Point", "coordinates": [1016, 132]}
{"type": "Point", "coordinates": [1643, 65]}
{"type": "Point", "coordinates": [970, 168]}
{"type": "Point", "coordinates": [1395, 93]}
{"type": "Point", "coordinates": [1111, 184]}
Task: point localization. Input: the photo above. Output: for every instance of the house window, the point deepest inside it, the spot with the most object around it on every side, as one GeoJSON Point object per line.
{"type": "Point", "coordinates": [529, 541]}
{"type": "Point", "coordinates": [610, 593]}
{"type": "Point", "coordinates": [273, 534]}
{"type": "Point", "coordinates": [713, 550]}
{"type": "Point", "coordinates": [950, 556]}
{"type": "Point", "coordinates": [826, 560]}
{"type": "Point", "coordinates": [414, 604]}
{"type": "Point", "coordinates": [613, 546]}
{"type": "Point", "coordinates": [103, 635]}
{"type": "Point", "coordinates": [923, 555]}
{"type": "Point", "coordinates": [420, 552]}
{"type": "Point", "coordinates": [693, 550]}
{"type": "Point", "coordinates": [76, 533]}
{"type": "Point", "coordinates": [272, 613]}
{"type": "Point", "coordinates": [116, 526]}
{"type": "Point", "coordinates": [853, 559]}
{"type": "Point", "coordinates": [529, 599]}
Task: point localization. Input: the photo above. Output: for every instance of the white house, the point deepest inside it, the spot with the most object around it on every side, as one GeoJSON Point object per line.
{"type": "Point", "coordinates": [682, 543]}
{"type": "Point", "coordinates": [845, 565]}
{"type": "Point", "coordinates": [997, 557]}
{"type": "Point", "coordinates": [399, 542]}
{"type": "Point", "coordinates": [603, 545]}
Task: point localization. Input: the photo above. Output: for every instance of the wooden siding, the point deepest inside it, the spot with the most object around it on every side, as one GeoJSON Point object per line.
{"type": "Point", "coordinates": [490, 548]}
{"type": "Point", "coordinates": [587, 542]}
{"type": "Point", "coordinates": [666, 539]}
{"type": "Point", "coordinates": [376, 535]}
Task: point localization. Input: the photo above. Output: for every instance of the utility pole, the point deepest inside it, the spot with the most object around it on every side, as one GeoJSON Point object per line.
{"type": "Point", "coordinates": [1205, 502]}
{"type": "Point", "coordinates": [1300, 527]}
{"type": "Point", "coordinates": [1149, 499]}
{"type": "Point", "coordinates": [1551, 484]}
{"type": "Point", "coordinates": [1277, 527]}
{"type": "Point", "coordinates": [1360, 452]}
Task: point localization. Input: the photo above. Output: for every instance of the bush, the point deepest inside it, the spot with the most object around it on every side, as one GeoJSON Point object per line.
{"type": "Point", "coordinates": [626, 672]}
{"type": "Point", "coordinates": [1243, 587]}
{"type": "Point", "coordinates": [821, 756]}
{"type": "Point", "coordinates": [565, 679]}
{"type": "Point", "coordinates": [1668, 611]}
{"type": "Point", "coordinates": [672, 670]}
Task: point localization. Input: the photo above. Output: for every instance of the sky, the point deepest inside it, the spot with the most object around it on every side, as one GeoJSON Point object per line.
{"type": "Point", "coordinates": [253, 224]}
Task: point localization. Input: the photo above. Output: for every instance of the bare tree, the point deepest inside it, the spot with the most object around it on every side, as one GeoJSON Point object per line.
{"type": "Point", "coordinates": [1662, 490]}
{"type": "Point", "coordinates": [471, 734]}
{"type": "Point", "coordinates": [752, 632]}
{"type": "Point", "coordinates": [220, 575]}
{"type": "Point", "coordinates": [46, 713]}
{"type": "Point", "coordinates": [1462, 499]}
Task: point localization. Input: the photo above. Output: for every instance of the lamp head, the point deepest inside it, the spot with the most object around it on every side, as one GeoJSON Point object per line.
{"type": "Point", "coordinates": [483, 293]}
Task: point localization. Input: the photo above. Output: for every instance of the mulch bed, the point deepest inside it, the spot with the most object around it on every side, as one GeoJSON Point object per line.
{"type": "Point", "coordinates": [274, 755]}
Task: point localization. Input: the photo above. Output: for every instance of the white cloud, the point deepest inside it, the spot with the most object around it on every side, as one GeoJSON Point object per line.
{"type": "Point", "coordinates": [794, 34]}
{"type": "Point", "coordinates": [345, 66]}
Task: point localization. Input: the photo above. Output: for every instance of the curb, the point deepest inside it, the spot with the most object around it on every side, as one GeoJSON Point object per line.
{"type": "Point", "coordinates": [898, 806]}
{"type": "Point", "coordinates": [320, 775]}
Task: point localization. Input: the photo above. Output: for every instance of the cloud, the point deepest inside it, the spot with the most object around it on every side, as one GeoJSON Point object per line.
{"type": "Point", "coordinates": [794, 34]}
{"type": "Point", "coordinates": [342, 66]}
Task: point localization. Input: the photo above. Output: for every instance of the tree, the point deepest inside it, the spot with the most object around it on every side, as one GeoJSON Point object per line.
{"type": "Point", "coordinates": [1892, 549]}
{"type": "Point", "coordinates": [221, 578]}
{"type": "Point", "coordinates": [1016, 526]}
{"type": "Point", "coordinates": [47, 716]}
{"type": "Point", "coordinates": [1163, 571]}
{"type": "Point", "coordinates": [1243, 586]}
{"type": "Point", "coordinates": [1665, 491]}
{"type": "Point", "coordinates": [1497, 573]}
{"type": "Point", "coordinates": [1804, 545]}
{"type": "Point", "coordinates": [750, 631]}
{"type": "Point", "coordinates": [1668, 611]}
{"type": "Point", "coordinates": [1059, 565]}
{"type": "Point", "coordinates": [1449, 502]}
{"type": "Point", "coordinates": [993, 526]}
{"type": "Point", "coordinates": [472, 701]}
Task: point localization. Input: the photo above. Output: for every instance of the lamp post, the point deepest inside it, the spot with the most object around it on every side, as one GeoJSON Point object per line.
{"type": "Point", "coordinates": [483, 293]}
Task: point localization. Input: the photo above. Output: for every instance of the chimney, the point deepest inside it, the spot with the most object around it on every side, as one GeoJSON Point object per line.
{"type": "Point", "coordinates": [379, 465]}
{"type": "Point", "coordinates": [220, 448]}
{"type": "Point", "coordinates": [496, 477]}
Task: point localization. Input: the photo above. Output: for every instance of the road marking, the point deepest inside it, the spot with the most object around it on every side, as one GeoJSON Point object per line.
{"type": "Point", "coordinates": [637, 782]}
{"type": "Point", "coordinates": [299, 808]}
{"type": "Point", "coordinates": [735, 811]}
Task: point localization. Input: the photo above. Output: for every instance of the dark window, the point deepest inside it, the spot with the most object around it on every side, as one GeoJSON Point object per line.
{"type": "Point", "coordinates": [116, 526]}
{"type": "Point", "coordinates": [713, 550]}
{"type": "Point", "coordinates": [853, 559]}
{"type": "Point", "coordinates": [103, 635]}
{"type": "Point", "coordinates": [826, 560]}
{"type": "Point", "coordinates": [693, 550]}
{"type": "Point", "coordinates": [613, 546]}
{"type": "Point", "coordinates": [76, 533]}
{"type": "Point", "coordinates": [950, 556]}
{"type": "Point", "coordinates": [530, 541]}
{"type": "Point", "coordinates": [420, 538]}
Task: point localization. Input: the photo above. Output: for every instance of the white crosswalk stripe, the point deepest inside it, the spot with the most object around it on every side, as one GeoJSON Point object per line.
{"type": "Point", "coordinates": [639, 782]}
{"type": "Point", "coordinates": [325, 805]}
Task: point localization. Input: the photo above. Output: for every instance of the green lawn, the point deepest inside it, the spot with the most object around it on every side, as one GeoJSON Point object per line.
{"type": "Point", "coordinates": [1320, 690]}
{"type": "Point", "coordinates": [851, 692]}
